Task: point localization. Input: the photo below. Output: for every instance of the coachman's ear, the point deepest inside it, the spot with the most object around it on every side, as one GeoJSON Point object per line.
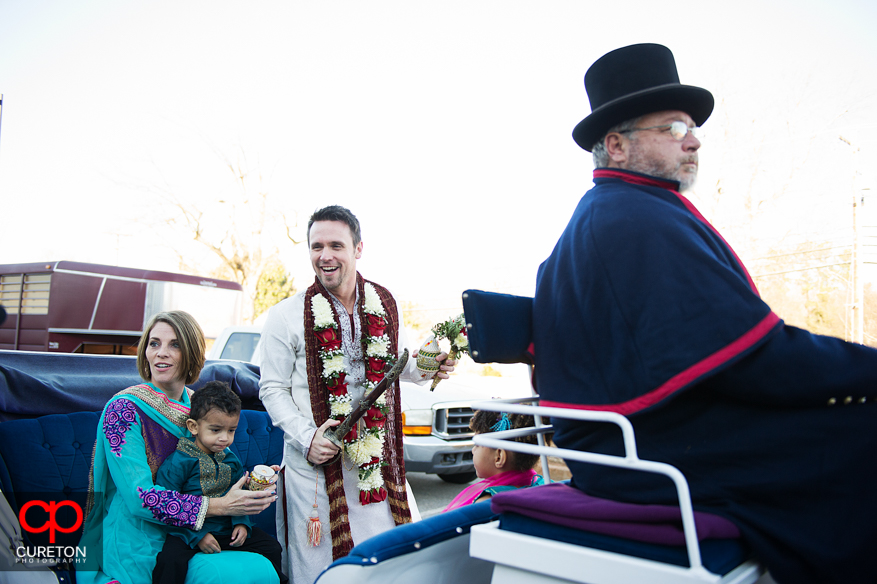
{"type": "Point", "coordinates": [617, 147]}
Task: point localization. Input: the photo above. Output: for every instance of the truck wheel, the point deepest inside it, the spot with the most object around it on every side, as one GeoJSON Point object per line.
{"type": "Point", "coordinates": [460, 478]}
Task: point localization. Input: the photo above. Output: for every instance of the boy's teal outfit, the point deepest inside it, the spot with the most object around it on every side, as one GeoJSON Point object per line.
{"type": "Point", "coordinates": [190, 470]}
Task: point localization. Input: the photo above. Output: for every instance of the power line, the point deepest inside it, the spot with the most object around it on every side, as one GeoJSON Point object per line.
{"type": "Point", "coordinates": [846, 246]}
{"type": "Point", "coordinates": [803, 269]}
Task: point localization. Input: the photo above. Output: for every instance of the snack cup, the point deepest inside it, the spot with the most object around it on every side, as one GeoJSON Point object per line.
{"type": "Point", "coordinates": [260, 478]}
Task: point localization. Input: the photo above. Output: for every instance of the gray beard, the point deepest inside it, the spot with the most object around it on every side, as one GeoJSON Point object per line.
{"type": "Point", "coordinates": [660, 169]}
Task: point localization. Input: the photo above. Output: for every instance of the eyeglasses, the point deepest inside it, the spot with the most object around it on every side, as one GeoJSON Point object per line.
{"type": "Point", "coordinates": [678, 129]}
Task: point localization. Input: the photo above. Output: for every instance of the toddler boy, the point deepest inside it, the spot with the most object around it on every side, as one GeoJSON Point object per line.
{"type": "Point", "coordinates": [206, 466]}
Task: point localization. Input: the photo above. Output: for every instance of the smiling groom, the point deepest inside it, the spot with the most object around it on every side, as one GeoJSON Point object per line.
{"type": "Point", "coordinates": [321, 351]}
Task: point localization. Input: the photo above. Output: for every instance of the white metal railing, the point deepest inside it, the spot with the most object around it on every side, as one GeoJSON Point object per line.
{"type": "Point", "coordinates": [630, 460]}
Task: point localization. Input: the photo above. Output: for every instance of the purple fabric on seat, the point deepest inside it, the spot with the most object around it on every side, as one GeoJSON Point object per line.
{"type": "Point", "coordinates": [562, 504]}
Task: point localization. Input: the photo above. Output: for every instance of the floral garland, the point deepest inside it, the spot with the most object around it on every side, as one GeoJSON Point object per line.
{"type": "Point", "coordinates": [364, 446]}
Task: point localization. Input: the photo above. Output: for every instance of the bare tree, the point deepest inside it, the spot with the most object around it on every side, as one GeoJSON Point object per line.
{"type": "Point", "coordinates": [777, 185]}
{"type": "Point", "coordinates": [808, 285]}
{"type": "Point", "coordinates": [242, 229]}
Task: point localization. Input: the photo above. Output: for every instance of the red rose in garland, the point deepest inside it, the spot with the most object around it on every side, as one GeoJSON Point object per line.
{"type": "Point", "coordinates": [374, 370]}
{"type": "Point", "coordinates": [374, 418]}
{"type": "Point", "coordinates": [374, 377]}
{"type": "Point", "coordinates": [373, 496]}
{"type": "Point", "coordinates": [337, 380]}
{"type": "Point", "coordinates": [329, 339]}
{"type": "Point", "coordinates": [337, 386]}
{"type": "Point", "coordinates": [339, 390]}
{"type": "Point", "coordinates": [377, 325]}
{"type": "Point", "coordinates": [378, 495]}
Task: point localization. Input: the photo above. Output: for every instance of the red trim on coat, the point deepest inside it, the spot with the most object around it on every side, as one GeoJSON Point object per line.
{"type": "Point", "coordinates": [683, 379]}
{"type": "Point", "coordinates": [636, 178]}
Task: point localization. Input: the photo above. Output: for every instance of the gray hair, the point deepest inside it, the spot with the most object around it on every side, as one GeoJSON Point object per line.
{"type": "Point", "coordinates": [601, 157]}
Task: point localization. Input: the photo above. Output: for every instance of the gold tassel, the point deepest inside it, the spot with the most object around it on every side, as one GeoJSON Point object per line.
{"type": "Point", "coordinates": [315, 528]}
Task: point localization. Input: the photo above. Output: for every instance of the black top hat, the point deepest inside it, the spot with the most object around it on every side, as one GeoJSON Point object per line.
{"type": "Point", "coordinates": [633, 81]}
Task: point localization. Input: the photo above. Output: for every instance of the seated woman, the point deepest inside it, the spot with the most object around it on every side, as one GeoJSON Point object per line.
{"type": "Point", "coordinates": [501, 470]}
{"type": "Point", "coordinates": [128, 515]}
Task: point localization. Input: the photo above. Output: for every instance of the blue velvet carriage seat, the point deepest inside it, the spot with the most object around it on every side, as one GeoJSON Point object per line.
{"type": "Point", "coordinates": [435, 550]}
{"type": "Point", "coordinates": [52, 455]}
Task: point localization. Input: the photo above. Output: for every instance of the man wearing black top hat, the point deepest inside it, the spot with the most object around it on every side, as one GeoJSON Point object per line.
{"type": "Point", "coordinates": [644, 309]}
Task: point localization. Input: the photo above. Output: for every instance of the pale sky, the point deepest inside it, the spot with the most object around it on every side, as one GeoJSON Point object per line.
{"type": "Point", "coordinates": [444, 125]}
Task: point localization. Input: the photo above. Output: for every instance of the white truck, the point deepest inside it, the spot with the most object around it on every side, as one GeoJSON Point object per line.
{"type": "Point", "coordinates": [435, 432]}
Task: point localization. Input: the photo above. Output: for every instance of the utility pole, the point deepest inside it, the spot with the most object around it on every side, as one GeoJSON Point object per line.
{"type": "Point", "coordinates": [858, 281]}
{"type": "Point", "coordinates": [858, 307]}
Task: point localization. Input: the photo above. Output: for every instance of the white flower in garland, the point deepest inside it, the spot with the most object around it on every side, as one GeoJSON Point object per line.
{"type": "Point", "coordinates": [358, 453]}
{"type": "Point", "coordinates": [373, 478]}
{"type": "Point", "coordinates": [333, 363]}
{"type": "Point", "coordinates": [340, 408]}
{"type": "Point", "coordinates": [373, 444]}
{"type": "Point", "coordinates": [378, 346]}
{"type": "Point", "coordinates": [372, 303]}
{"type": "Point", "coordinates": [323, 316]}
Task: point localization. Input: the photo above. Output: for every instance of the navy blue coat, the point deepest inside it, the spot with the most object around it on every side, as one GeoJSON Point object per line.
{"type": "Point", "coordinates": [643, 309]}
